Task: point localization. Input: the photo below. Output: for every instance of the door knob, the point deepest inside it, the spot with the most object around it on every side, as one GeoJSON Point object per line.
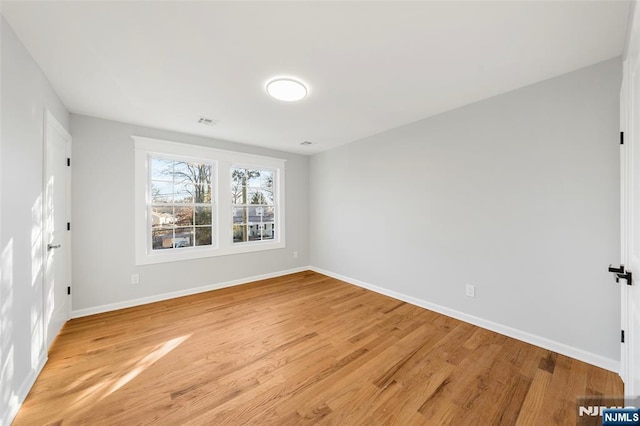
{"type": "Point", "coordinates": [51, 246]}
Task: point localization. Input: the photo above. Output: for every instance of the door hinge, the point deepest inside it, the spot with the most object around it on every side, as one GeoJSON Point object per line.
{"type": "Point", "coordinates": [69, 290]}
{"type": "Point", "coordinates": [68, 226]}
{"type": "Point", "coordinates": [621, 138]}
{"type": "Point", "coordinates": [68, 162]}
{"type": "Point", "coordinates": [621, 336]}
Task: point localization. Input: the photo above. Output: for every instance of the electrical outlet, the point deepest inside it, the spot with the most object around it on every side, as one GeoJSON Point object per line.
{"type": "Point", "coordinates": [295, 254]}
{"type": "Point", "coordinates": [470, 290]}
{"type": "Point", "coordinates": [135, 279]}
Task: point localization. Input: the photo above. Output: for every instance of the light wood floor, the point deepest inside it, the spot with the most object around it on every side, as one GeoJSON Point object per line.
{"type": "Point", "coordinates": [300, 349]}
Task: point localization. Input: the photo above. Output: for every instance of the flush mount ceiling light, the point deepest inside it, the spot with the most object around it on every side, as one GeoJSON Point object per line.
{"type": "Point", "coordinates": [286, 89]}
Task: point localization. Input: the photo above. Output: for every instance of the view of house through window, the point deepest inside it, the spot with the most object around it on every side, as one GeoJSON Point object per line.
{"type": "Point", "coordinates": [181, 204]}
{"type": "Point", "coordinates": [252, 198]}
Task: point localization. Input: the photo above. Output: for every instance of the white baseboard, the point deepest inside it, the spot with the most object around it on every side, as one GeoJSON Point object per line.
{"type": "Point", "coordinates": [17, 398]}
{"type": "Point", "coordinates": [172, 295]}
{"type": "Point", "coordinates": [552, 345]}
{"type": "Point", "coordinates": [543, 342]}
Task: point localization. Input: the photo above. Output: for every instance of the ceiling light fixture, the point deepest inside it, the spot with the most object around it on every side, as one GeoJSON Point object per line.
{"type": "Point", "coordinates": [286, 89]}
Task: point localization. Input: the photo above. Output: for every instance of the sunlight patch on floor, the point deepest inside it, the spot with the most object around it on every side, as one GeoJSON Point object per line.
{"type": "Point", "coordinates": [147, 361]}
{"type": "Point", "coordinates": [88, 397]}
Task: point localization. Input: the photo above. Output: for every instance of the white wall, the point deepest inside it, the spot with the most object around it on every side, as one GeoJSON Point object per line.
{"type": "Point", "coordinates": [103, 222]}
{"type": "Point", "coordinates": [517, 194]}
{"type": "Point", "coordinates": [24, 93]}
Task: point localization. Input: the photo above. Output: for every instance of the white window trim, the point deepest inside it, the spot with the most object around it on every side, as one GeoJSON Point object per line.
{"type": "Point", "coordinates": [222, 221]}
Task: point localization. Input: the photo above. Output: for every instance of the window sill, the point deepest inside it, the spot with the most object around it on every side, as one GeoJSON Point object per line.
{"type": "Point", "coordinates": [202, 253]}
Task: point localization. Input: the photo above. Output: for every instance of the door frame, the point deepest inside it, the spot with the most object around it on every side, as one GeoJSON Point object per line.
{"type": "Point", "coordinates": [625, 222]}
{"type": "Point", "coordinates": [52, 124]}
{"type": "Point", "coordinates": [629, 184]}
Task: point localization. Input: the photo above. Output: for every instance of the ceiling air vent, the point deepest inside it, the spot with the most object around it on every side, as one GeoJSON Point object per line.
{"type": "Point", "coordinates": [207, 121]}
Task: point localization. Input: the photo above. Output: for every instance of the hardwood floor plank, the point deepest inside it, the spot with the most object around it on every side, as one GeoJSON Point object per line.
{"type": "Point", "coordinates": [300, 349]}
{"type": "Point", "coordinates": [533, 406]}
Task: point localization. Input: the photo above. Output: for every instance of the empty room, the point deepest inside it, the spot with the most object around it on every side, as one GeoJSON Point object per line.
{"type": "Point", "coordinates": [320, 212]}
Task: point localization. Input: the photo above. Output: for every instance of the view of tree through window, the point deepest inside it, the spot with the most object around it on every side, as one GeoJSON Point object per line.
{"type": "Point", "coordinates": [252, 198]}
{"type": "Point", "coordinates": [181, 203]}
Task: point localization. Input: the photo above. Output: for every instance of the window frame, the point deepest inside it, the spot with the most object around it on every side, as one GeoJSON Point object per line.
{"type": "Point", "coordinates": [275, 197]}
{"type": "Point", "coordinates": [213, 204]}
{"type": "Point", "coordinates": [222, 220]}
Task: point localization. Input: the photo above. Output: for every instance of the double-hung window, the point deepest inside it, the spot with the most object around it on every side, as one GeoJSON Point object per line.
{"type": "Point", "coordinates": [252, 197]}
{"type": "Point", "coordinates": [181, 203]}
{"type": "Point", "coordinates": [194, 202]}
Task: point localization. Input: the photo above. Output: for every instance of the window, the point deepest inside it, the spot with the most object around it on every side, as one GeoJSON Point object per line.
{"type": "Point", "coordinates": [194, 202]}
{"type": "Point", "coordinates": [252, 198]}
{"type": "Point", "coordinates": [181, 203]}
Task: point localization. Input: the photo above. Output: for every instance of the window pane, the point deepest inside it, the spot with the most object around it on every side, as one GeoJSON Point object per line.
{"type": "Point", "coordinates": [182, 172]}
{"type": "Point", "coordinates": [260, 231]}
{"type": "Point", "coordinates": [183, 237]}
{"type": "Point", "coordinates": [255, 214]}
{"type": "Point", "coordinates": [267, 178]}
{"type": "Point", "coordinates": [254, 178]}
{"type": "Point", "coordinates": [268, 193]}
{"type": "Point", "coordinates": [161, 169]}
{"type": "Point", "coordinates": [268, 231]}
{"type": "Point", "coordinates": [259, 196]}
{"type": "Point", "coordinates": [238, 177]}
{"type": "Point", "coordinates": [203, 216]}
{"type": "Point", "coordinates": [236, 194]}
{"type": "Point", "coordinates": [184, 215]}
{"type": "Point", "coordinates": [239, 233]}
{"type": "Point", "coordinates": [240, 215]}
{"type": "Point", "coordinates": [161, 192]}
{"type": "Point", "coordinates": [202, 173]}
{"type": "Point", "coordinates": [268, 214]}
{"type": "Point", "coordinates": [260, 214]}
{"type": "Point", "coordinates": [202, 193]}
{"type": "Point", "coordinates": [252, 232]}
{"type": "Point", "coordinates": [195, 173]}
{"type": "Point", "coordinates": [245, 177]}
{"type": "Point", "coordinates": [203, 236]}
{"type": "Point", "coordinates": [183, 192]}
{"type": "Point", "coordinates": [241, 196]}
{"type": "Point", "coordinates": [162, 238]}
{"type": "Point", "coordinates": [162, 217]}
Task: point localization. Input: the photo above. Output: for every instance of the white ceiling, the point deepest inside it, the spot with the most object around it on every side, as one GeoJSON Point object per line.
{"type": "Point", "coordinates": [369, 66]}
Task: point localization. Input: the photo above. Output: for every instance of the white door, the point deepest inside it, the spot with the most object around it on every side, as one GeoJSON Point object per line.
{"type": "Point", "coordinates": [630, 206]}
{"type": "Point", "coordinates": [57, 271]}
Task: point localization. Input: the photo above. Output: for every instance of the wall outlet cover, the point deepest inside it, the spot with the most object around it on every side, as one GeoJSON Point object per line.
{"type": "Point", "coordinates": [470, 290]}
